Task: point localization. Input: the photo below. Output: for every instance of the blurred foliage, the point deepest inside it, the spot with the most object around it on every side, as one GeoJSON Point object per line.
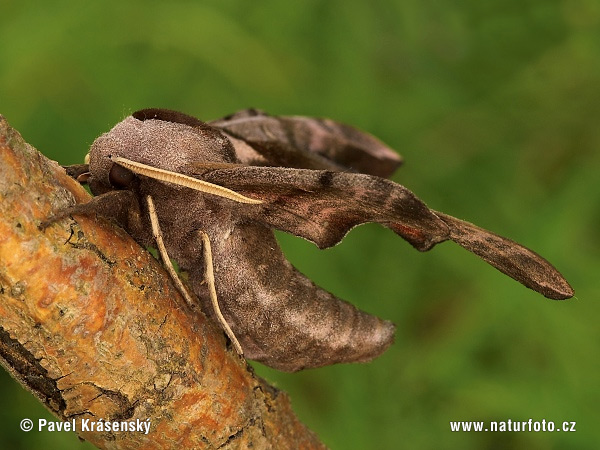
{"type": "Point", "coordinates": [495, 107]}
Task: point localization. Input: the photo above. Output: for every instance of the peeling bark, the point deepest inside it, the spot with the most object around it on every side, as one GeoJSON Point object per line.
{"type": "Point", "coordinates": [92, 326]}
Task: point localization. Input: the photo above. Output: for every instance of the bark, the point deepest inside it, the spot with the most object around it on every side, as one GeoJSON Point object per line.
{"type": "Point", "coordinates": [92, 326]}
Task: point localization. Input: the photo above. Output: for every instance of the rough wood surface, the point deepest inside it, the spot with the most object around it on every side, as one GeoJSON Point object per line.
{"type": "Point", "coordinates": [91, 325]}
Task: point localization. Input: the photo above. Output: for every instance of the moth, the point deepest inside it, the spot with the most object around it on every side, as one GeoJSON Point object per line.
{"type": "Point", "coordinates": [209, 195]}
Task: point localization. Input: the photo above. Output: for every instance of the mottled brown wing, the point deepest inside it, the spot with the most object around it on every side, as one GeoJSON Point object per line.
{"type": "Point", "coordinates": [306, 143]}
{"type": "Point", "coordinates": [510, 258]}
{"type": "Point", "coordinates": [322, 206]}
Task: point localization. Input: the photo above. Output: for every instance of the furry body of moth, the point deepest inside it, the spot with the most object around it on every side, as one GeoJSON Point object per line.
{"type": "Point", "coordinates": [314, 178]}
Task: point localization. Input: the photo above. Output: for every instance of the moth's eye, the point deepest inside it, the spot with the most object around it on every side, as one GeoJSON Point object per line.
{"type": "Point", "coordinates": [120, 177]}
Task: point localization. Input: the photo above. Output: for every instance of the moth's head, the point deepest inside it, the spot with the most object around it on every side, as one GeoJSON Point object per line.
{"type": "Point", "coordinates": [163, 139]}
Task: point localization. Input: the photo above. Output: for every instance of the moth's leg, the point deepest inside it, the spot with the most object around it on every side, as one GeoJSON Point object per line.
{"type": "Point", "coordinates": [157, 234]}
{"type": "Point", "coordinates": [210, 281]}
{"type": "Point", "coordinates": [78, 170]}
{"type": "Point", "coordinates": [120, 206]}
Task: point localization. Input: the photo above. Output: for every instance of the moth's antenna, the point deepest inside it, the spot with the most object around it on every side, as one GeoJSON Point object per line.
{"type": "Point", "coordinates": [183, 180]}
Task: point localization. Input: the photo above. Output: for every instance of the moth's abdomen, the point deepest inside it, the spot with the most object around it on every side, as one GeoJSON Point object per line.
{"type": "Point", "coordinates": [279, 316]}
{"type": "Point", "coordinates": [324, 329]}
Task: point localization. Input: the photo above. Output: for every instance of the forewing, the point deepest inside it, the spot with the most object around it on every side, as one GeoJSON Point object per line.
{"type": "Point", "coordinates": [510, 258]}
{"type": "Point", "coordinates": [306, 143]}
{"type": "Point", "coordinates": [322, 206]}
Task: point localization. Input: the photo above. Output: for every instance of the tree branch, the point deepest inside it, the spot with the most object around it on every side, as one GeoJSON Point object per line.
{"type": "Point", "coordinates": [91, 324]}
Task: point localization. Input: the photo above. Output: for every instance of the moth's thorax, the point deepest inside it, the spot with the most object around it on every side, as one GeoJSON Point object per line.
{"type": "Point", "coordinates": [164, 145]}
{"type": "Point", "coordinates": [182, 212]}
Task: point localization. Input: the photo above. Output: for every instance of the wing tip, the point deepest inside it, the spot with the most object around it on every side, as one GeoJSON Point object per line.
{"type": "Point", "coordinates": [511, 258]}
{"type": "Point", "coordinates": [559, 290]}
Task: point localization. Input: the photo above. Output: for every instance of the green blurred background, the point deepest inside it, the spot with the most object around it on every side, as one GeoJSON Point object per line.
{"type": "Point", "coordinates": [495, 106]}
